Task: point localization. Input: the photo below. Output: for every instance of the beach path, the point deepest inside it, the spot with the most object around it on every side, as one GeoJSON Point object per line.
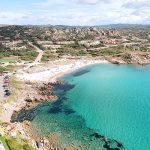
{"type": "Point", "coordinates": [41, 52]}
{"type": "Point", "coordinates": [36, 61]}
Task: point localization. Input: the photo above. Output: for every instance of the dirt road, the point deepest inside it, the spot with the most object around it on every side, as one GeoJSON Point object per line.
{"type": "Point", "coordinates": [41, 52]}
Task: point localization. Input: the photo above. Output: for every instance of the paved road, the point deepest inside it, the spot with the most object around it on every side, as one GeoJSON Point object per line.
{"type": "Point", "coordinates": [1, 88]}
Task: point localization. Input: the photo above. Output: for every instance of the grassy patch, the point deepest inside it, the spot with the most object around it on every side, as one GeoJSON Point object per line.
{"type": "Point", "coordinates": [12, 60]}
{"type": "Point", "coordinates": [16, 87]}
{"type": "Point", "coordinates": [18, 144]}
{"type": "Point", "coordinates": [10, 67]}
{"type": "Point", "coordinates": [48, 55]}
{"type": "Point", "coordinates": [2, 139]}
{"type": "Point", "coordinates": [11, 143]}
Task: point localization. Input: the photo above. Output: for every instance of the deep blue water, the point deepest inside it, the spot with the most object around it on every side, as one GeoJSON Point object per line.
{"type": "Point", "coordinates": [105, 99]}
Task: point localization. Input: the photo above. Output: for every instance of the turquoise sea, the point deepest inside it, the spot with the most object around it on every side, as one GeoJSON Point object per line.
{"type": "Point", "coordinates": [102, 106]}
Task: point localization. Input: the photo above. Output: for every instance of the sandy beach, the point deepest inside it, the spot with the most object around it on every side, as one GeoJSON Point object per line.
{"type": "Point", "coordinates": [51, 71]}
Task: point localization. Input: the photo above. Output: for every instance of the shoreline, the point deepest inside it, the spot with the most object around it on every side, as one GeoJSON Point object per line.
{"type": "Point", "coordinates": [51, 73]}
{"type": "Point", "coordinates": [37, 78]}
{"type": "Point", "coordinates": [32, 78]}
{"type": "Point", "coordinates": [41, 74]}
{"type": "Point", "coordinates": [48, 74]}
{"type": "Point", "coordinates": [26, 127]}
{"type": "Point", "coordinates": [54, 79]}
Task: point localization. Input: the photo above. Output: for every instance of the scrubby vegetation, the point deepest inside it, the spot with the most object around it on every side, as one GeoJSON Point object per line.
{"type": "Point", "coordinates": [48, 55]}
{"type": "Point", "coordinates": [11, 143]}
{"type": "Point", "coordinates": [75, 49]}
{"type": "Point", "coordinates": [26, 55]}
{"type": "Point", "coordinates": [2, 69]}
{"type": "Point", "coordinates": [57, 41]}
{"type": "Point", "coordinates": [105, 53]}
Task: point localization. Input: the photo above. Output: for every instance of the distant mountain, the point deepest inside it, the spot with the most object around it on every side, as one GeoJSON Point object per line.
{"type": "Point", "coordinates": [126, 26]}
{"type": "Point", "coordinates": [117, 26]}
{"type": "Point", "coordinates": [3, 25]}
{"type": "Point", "coordinates": [101, 26]}
{"type": "Point", "coordinates": [58, 26]}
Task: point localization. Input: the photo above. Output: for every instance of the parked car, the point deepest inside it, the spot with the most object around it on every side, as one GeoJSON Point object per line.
{"type": "Point", "coordinates": [6, 81]}
{"type": "Point", "coordinates": [6, 77]}
{"type": "Point", "coordinates": [8, 93]}
{"type": "Point", "coordinates": [5, 86]}
{"type": "Point", "coordinates": [6, 90]}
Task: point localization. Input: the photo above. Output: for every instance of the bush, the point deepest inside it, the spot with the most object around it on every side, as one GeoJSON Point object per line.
{"type": "Point", "coordinates": [27, 147]}
{"type": "Point", "coordinates": [2, 69]}
{"type": "Point", "coordinates": [105, 53]}
{"type": "Point", "coordinates": [13, 144]}
{"type": "Point", "coordinates": [27, 55]}
{"type": "Point", "coordinates": [2, 140]}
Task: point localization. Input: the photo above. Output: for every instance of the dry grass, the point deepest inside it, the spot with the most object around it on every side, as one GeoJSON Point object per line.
{"type": "Point", "coordinates": [16, 88]}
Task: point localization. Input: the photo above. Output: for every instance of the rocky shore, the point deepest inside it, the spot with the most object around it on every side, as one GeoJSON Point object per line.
{"type": "Point", "coordinates": [29, 96]}
{"type": "Point", "coordinates": [43, 92]}
{"type": "Point", "coordinates": [33, 89]}
{"type": "Point", "coordinates": [136, 59]}
{"type": "Point", "coordinates": [25, 115]}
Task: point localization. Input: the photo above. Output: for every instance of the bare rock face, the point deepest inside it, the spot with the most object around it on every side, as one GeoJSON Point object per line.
{"type": "Point", "coordinates": [116, 61]}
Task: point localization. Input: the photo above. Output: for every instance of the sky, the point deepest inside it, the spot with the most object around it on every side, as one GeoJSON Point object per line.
{"type": "Point", "coordinates": [74, 12]}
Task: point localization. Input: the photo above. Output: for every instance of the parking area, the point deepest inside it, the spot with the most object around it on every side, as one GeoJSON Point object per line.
{"type": "Point", "coordinates": [1, 88]}
{"type": "Point", "coordinates": [4, 85]}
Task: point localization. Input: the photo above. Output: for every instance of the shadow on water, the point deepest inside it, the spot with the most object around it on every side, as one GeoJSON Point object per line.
{"type": "Point", "coordinates": [81, 72]}
{"type": "Point", "coordinates": [59, 105]}
{"type": "Point", "coordinates": [71, 122]}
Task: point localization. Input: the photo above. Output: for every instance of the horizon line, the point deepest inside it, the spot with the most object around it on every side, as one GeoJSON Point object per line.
{"type": "Point", "coordinates": [74, 25]}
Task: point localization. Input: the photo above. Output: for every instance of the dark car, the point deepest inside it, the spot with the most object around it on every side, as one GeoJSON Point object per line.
{"type": "Point", "coordinates": [6, 77]}
{"type": "Point", "coordinates": [7, 93]}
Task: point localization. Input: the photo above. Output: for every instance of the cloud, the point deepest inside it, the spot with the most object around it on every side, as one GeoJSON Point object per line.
{"type": "Point", "coordinates": [139, 11]}
{"type": "Point", "coordinates": [92, 1]}
{"type": "Point", "coordinates": [11, 17]}
{"type": "Point", "coordinates": [47, 3]}
{"type": "Point", "coordinates": [78, 12]}
{"type": "Point", "coordinates": [9, 14]}
{"type": "Point", "coordinates": [67, 2]}
{"type": "Point", "coordinates": [137, 4]}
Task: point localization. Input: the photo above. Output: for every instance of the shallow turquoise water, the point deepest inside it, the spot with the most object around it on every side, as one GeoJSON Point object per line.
{"type": "Point", "coordinates": [111, 100]}
{"type": "Point", "coordinates": [115, 100]}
